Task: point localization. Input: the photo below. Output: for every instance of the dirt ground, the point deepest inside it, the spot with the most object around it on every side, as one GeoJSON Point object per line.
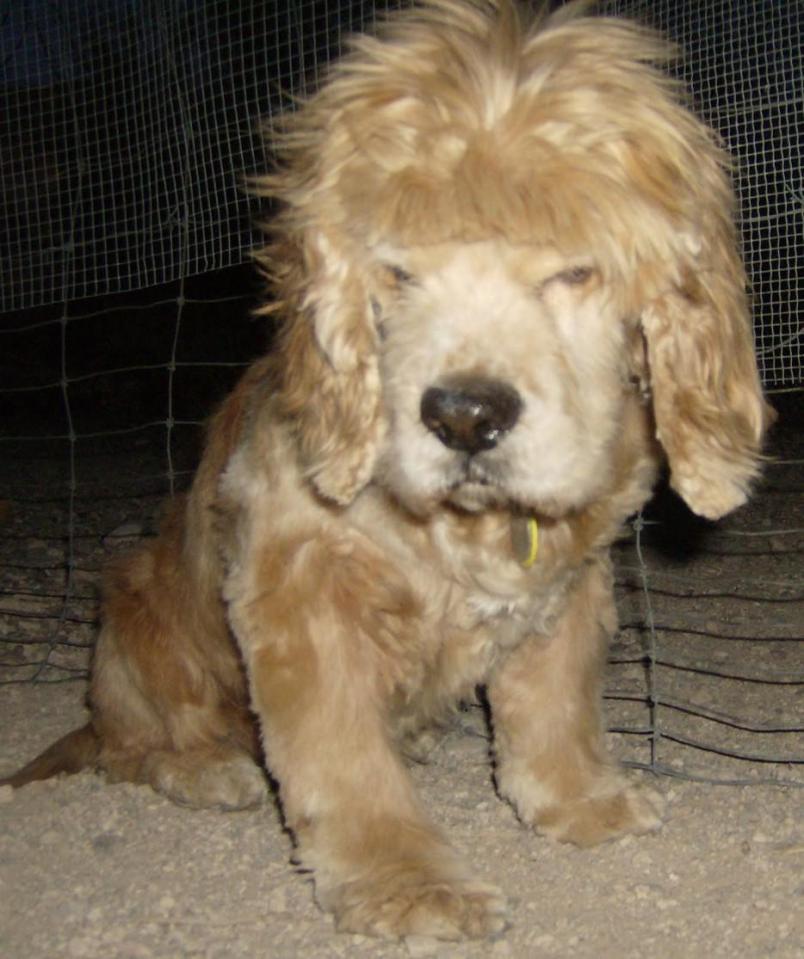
{"type": "Point", "coordinates": [713, 691]}
{"type": "Point", "coordinates": [116, 872]}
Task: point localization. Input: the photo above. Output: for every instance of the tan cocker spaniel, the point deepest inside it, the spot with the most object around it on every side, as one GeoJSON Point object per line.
{"type": "Point", "coordinates": [506, 269]}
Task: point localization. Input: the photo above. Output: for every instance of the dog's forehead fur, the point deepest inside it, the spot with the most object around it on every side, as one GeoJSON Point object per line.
{"type": "Point", "coordinates": [462, 125]}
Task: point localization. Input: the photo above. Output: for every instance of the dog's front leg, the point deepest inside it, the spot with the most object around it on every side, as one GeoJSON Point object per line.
{"type": "Point", "coordinates": [551, 757]}
{"type": "Point", "coordinates": [319, 629]}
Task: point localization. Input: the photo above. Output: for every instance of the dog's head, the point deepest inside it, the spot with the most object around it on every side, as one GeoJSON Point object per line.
{"type": "Point", "coordinates": [492, 230]}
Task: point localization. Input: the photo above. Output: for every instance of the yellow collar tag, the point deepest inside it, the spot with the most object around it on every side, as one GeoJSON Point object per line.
{"type": "Point", "coordinates": [525, 539]}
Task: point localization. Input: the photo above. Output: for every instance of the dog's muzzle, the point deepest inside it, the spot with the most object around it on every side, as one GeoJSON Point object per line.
{"type": "Point", "coordinates": [470, 414]}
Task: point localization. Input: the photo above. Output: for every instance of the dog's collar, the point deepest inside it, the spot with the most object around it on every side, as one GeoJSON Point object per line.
{"type": "Point", "coordinates": [525, 540]}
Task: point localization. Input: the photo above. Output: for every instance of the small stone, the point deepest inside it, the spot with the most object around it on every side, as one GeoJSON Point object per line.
{"type": "Point", "coordinates": [422, 945]}
{"type": "Point", "coordinates": [278, 900]}
{"type": "Point", "coordinates": [124, 531]}
{"type": "Point", "coordinates": [80, 946]}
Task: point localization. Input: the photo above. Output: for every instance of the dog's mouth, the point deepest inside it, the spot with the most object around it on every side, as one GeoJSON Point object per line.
{"type": "Point", "coordinates": [482, 482]}
{"type": "Point", "coordinates": [474, 473]}
{"type": "Point", "coordinates": [476, 485]}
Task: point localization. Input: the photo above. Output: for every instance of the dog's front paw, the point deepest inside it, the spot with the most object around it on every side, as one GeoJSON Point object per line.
{"type": "Point", "coordinates": [598, 818]}
{"type": "Point", "coordinates": [420, 905]}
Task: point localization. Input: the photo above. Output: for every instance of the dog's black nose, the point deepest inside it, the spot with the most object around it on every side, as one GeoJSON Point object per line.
{"type": "Point", "coordinates": [471, 414]}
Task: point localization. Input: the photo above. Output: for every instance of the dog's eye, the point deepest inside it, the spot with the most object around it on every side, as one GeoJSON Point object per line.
{"type": "Point", "coordinates": [574, 276]}
{"type": "Point", "coordinates": [402, 277]}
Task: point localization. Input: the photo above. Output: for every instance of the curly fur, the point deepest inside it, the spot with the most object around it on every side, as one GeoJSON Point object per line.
{"type": "Point", "coordinates": [473, 195]}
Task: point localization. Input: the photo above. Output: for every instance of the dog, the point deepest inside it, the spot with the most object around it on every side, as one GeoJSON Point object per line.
{"type": "Point", "coordinates": [506, 268]}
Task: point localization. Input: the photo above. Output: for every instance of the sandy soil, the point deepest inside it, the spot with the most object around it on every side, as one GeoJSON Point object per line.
{"type": "Point", "coordinates": [99, 871]}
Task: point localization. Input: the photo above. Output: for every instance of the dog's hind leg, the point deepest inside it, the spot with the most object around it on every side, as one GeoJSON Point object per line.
{"type": "Point", "coordinates": [220, 777]}
{"type": "Point", "coordinates": [168, 693]}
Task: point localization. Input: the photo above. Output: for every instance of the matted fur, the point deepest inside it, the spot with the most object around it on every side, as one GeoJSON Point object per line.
{"type": "Point", "coordinates": [474, 196]}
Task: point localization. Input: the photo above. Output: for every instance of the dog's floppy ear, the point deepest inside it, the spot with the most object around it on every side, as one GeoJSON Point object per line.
{"type": "Point", "coordinates": [328, 366]}
{"type": "Point", "coordinates": [707, 398]}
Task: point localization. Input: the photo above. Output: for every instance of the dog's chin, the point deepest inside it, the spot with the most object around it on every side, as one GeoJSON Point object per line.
{"type": "Point", "coordinates": [476, 488]}
{"type": "Point", "coordinates": [475, 497]}
{"type": "Point", "coordinates": [469, 497]}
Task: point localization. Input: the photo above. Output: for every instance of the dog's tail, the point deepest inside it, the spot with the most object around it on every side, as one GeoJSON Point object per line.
{"type": "Point", "coordinates": [70, 754]}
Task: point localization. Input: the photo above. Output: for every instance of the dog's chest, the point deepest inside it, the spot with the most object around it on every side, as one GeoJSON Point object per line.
{"type": "Point", "coordinates": [494, 594]}
{"type": "Point", "coordinates": [473, 595]}
{"type": "Point", "coordinates": [471, 578]}
{"type": "Point", "coordinates": [478, 603]}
